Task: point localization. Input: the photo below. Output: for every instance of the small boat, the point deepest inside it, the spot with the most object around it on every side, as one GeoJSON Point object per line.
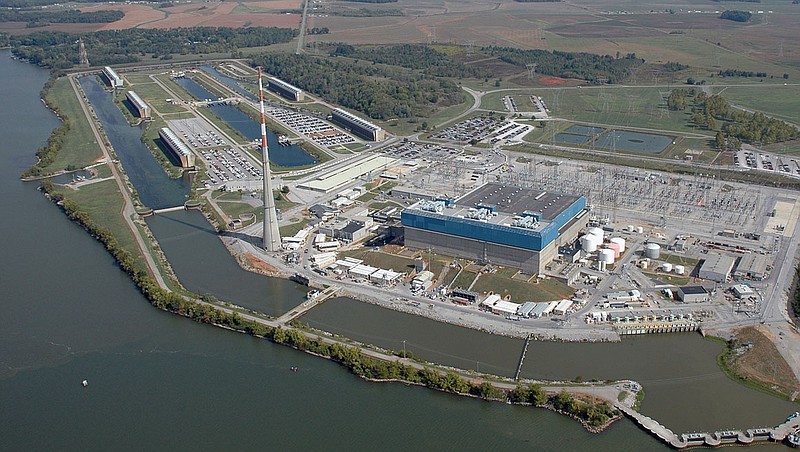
{"type": "Point", "coordinates": [293, 368]}
{"type": "Point", "coordinates": [85, 383]}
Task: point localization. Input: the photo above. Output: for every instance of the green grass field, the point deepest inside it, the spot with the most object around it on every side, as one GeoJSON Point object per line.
{"type": "Point", "coordinates": [103, 202]}
{"type": "Point", "coordinates": [80, 147]}
{"type": "Point", "coordinates": [521, 291]}
{"type": "Point", "coordinates": [781, 102]}
{"type": "Point", "coordinates": [155, 95]}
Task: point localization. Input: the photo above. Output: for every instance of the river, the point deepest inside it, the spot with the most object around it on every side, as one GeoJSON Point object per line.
{"type": "Point", "coordinates": [158, 381]}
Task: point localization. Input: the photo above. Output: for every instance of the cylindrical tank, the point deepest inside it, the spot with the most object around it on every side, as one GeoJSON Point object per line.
{"type": "Point", "coordinates": [652, 250]}
{"type": "Point", "coordinates": [606, 255]}
{"type": "Point", "coordinates": [614, 247]}
{"type": "Point", "coordinates": [597, 232]}
{"type": "Point", "coordinates": [629, 228]}
{"type": "Point", "coordinates": [644, 264]}
{"type": "Point", "coordinates": [589, 243]}
{"type": "Point", "coordinates": [679, 269]}
{"type": "Point", "coordinates": [667, 267]}
{"type": "Point", "coordinates": [640, 230]}
{"type": "Point", "coordinates": [619, 241]}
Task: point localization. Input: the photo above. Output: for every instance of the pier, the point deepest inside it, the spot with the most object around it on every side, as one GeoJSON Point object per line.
{"type": "Point", "coordinates": [308, 304]}
{"type": "Point", "coordinates": [779, 433]}
{"type": "Point", "coordinates": [522, 357]}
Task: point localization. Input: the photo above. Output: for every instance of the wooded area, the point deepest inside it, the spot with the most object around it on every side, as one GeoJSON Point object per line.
{"type": "Point", "coordinates": [586, 66]}
{"type": "Point", "coordinates": [380, 92]}
{"type": "Point", "coordinates": [59, 50]}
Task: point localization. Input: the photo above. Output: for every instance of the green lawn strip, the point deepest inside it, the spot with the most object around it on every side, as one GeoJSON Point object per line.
{"type": "Point", "coordinates": [80, 147]}
{"type": "Point", "coordinates": [290, 230]}
{"type": "Point", "coordinates": [154, 94]}
{"type": "Point", "coordinates": [103, 202]}
{"type": "Point", "coordinates": [463, 280]}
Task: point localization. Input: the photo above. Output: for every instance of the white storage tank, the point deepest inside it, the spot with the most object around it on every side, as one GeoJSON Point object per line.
{"type": "Point", "coordinates": [619, 241]}
{"type": "Point", "coordinates": [679, 269]}
{"type": "Point", "coordinates": [629, 228]}
{"type": "Point", "coordinates": [640, 230]}
{"type": "Point", "coordinates": [589, 243]}
{"type": "Point", "coordinates": [606, 256]}
{"type": "Point", "coordinates": [667, 267]}
{"type": "Point", "coordinates": [644, 264]}
{"type": "Point", "coordinates": [615, 248]}
{"type": "Point", "coordinates": [597, 232]}
{"type": "Point", "coordinates": [652, 250]}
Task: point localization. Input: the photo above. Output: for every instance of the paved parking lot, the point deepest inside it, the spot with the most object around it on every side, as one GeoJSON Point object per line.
{"type": "Point", "coordinates": [767, 162]}
{"type": "Point", "coordinates": [225, 165]}
{"type": "Point", "coordinates": [313, 128]}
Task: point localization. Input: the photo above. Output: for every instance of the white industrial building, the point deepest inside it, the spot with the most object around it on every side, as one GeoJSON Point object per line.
{"type": "Point", "coordinates": [357, 125]}
{"type": "Point", "coordinates": [751, 266]}
{"type": "Point", "coordinates": [141, 107]}
{"type": "Point", "coordinates": [111, 76]}
{"type": "Point", "coordinates": [177, 147]}
{"type": "Point", "coordinates": [286, 90]}
{"type": "Point", "coordinates": [717, 267]}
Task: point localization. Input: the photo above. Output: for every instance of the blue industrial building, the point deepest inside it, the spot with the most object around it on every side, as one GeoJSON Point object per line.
{"type": "Point", "coordinates": [504, 225]}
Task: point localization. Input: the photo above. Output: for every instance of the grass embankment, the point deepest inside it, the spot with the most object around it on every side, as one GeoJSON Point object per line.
{"type": "Point", "coordinates": [752, 359]}
{"type": "Point", "coordinates": [503, 283]}
{"type": "Point", "coordinates": [74, 134]}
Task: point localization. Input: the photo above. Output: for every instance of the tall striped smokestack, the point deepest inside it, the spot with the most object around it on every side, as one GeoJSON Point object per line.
{"type": "Point", "coordinates": [272, 237]}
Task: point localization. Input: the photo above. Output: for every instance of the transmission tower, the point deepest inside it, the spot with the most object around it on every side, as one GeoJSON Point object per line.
{"type": "Point", "coordinates": [531, 67]}
{"type": "Point", "coordinates": [83, 57]}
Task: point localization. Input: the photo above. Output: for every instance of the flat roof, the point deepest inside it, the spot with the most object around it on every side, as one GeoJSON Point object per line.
{"type": "Point", "coordinates": [718, 263]}
{"type": "Point", "coordinates": [516, 200]}
{"type": "Point", "coordinates": [693, 290]}
{"type": "Point", "coordinates": [752, 263]}
{"type": "Point", "coordinates": [338, 177]}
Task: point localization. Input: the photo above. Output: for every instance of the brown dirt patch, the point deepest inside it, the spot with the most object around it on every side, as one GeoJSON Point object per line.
{"type": "Point", "coordinates": [545, 80]}
{"type": "Point", "coordinates": [277, 4]}
{"type": "Point", "coordinates": [762, 362]}
{"type": "Point", "coordinates": [135, 15]}
{"type": "Point", "coordinates": [258, 264]}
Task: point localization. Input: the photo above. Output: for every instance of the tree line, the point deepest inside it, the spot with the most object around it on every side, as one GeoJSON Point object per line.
{"type": "Point", "coordinates": [380, 92]}
{"type": "Point", "coordinates": [412, 56]}
{"type": "Point", "coordinates": [740, 73]}
{"type": "Point", "coordinates": [580, 65]}
{"type": "Point", "coordinates": [59, 50]}
{"type": "Point", "coordinates": [737, 125]}
{"type": "Point", "coordinates": [38, 17]}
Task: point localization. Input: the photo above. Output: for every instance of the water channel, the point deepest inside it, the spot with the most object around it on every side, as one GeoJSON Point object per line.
{"type": "Point", "coordinates": [158, 381]}
{"type": "Point", "coordinates": [279, 154]}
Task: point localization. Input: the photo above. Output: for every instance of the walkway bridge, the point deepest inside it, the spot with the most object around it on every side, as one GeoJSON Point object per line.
{"type": "Point", "coordinates": [777, 434]}
{"type": "Point", "coordinates": [314, 299]}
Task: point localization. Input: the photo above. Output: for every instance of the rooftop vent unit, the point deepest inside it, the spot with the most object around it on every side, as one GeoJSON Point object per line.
{"type": "Point", "coordinates": [432, 206]}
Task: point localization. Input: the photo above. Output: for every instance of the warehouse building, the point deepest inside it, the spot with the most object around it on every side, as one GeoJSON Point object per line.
{"type": "Point", "coordinates": [177, 147]}
{"type": "Point", "coordinates": [692, 294]}
{"type": "Point", "coordinates": [509, 226]}
{"type": "Point", "coordinates": [717, 267]}
{"type": "Point", "coordinates": [751, 266]}
{"type": "Point", "coordinates": [141, 107]}
{"type": "Point", "coordinates": [286, 90]}
{"type": "Point", "coordinates": [358, 126]}
{"type": "Point", "coordinates": [111, 76]}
